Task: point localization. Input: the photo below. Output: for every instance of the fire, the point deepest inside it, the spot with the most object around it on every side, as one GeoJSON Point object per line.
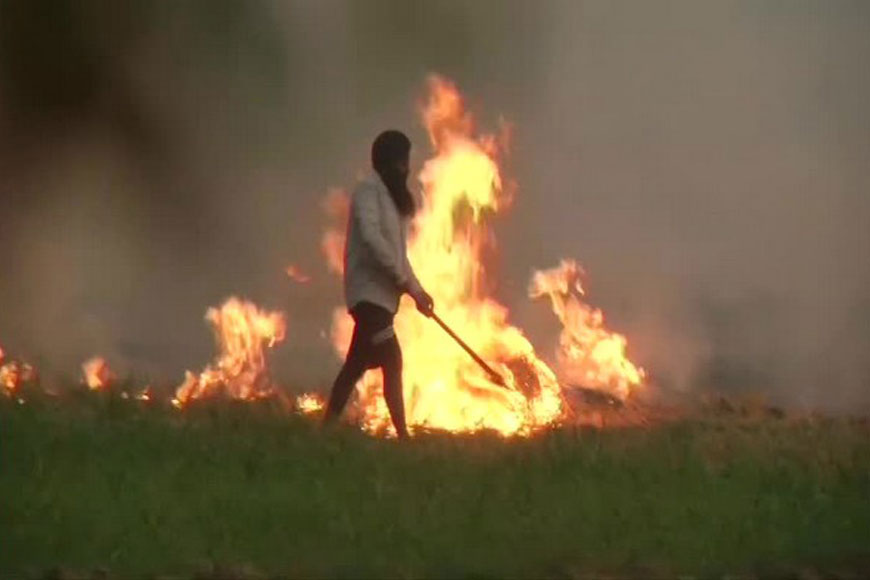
{"type": "Point", "coordinates": [444, 388]}
{"type": "Point", "coordinates": [309, 403]}
{"type": "Point", "coordinates": [337, 207]}
{"type": "Point", "coordinates": [96, 373]}
{"type": "Point", "coordinates": [6, 382]}
{"type": "Point", "coordinates": [13, 374]}
{"type": "Point", "coordinates": [9, 378]}
{"type": "Point", "coordinates": [589, 355]}
{"type": "Point", "coordinates": [243, 333]}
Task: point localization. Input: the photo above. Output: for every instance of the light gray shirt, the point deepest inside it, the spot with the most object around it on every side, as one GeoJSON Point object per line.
{"type": "Point", "coordinates": [376, 266]}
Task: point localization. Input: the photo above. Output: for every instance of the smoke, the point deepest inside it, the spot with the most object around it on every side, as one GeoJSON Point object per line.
{"type": "Point", "coordinates": [708, 165]}
{"type": "Point", "coordinates": [711, 167]}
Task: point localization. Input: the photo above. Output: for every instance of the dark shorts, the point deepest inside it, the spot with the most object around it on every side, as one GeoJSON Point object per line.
{"type": "Point", "coordinates": [373, 328]}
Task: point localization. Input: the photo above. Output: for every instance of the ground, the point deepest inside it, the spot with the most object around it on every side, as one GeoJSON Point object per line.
{"type": "Point", "coordinates": [95, 485]}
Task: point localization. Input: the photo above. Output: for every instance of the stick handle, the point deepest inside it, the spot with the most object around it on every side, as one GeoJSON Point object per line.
{"type": "Point", "coordinates": [493, 374]}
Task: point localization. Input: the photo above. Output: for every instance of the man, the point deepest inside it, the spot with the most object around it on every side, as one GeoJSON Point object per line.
{"type": "Point", "coordinates": [376, 275]}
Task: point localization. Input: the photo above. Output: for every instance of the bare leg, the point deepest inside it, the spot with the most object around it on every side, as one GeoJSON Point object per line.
{"type": "Point", "coordinates": [373, 344]}
{"type": "Point", "coordinates": [391, 366]}
{"type": "Point", "coordinates": [354, 367]}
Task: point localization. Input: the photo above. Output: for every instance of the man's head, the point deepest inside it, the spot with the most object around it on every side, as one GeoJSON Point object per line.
{"type": "Point", "coordinates": [391, 155]}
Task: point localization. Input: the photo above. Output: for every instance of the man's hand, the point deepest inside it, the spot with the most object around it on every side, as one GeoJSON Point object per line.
{"type": "Point", "coordinates": [423, 300]}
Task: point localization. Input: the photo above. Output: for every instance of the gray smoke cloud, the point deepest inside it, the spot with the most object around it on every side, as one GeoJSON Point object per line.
{"type": "Point", "coordinates": [706, 162]}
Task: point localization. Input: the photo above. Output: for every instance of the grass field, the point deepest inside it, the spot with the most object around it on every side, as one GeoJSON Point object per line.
{"type": "Point", "coordinates": [101, 483]}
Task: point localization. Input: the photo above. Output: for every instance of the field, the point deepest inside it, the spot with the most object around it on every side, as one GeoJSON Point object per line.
{"type": "Point", "coordinates": [99, 486]}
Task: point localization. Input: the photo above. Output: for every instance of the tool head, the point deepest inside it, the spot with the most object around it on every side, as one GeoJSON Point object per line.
{"type": "Point", "coordinates": [498, 379]}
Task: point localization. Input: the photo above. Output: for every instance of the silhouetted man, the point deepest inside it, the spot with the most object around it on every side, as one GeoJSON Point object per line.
{"type": "Point", "coordinates": [376, 274]}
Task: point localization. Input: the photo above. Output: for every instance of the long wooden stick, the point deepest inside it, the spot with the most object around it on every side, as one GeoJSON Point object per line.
{"type": "Point", "coordinates": [493, 374]}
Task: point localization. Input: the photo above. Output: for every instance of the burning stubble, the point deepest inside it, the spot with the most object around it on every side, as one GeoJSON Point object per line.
{"type": "Point", "coordinates": [443, 388]}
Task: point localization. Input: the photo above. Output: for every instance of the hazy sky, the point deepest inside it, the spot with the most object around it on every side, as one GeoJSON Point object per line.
{"type": "Point", "coordinates": [707, 162]}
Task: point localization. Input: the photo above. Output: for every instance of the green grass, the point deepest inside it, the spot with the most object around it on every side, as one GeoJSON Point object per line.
{"type": "Point", "coordinates": [100, 482]}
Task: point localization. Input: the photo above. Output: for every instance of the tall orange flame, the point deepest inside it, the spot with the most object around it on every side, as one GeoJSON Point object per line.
{"type": "Point", "coordinates": [589, 355]}
{"type": "Point", "coordinates": [243, 333]}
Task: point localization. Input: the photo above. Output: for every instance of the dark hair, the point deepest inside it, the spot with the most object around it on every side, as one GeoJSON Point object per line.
{"type": "Point", "coordinates": [388, 149]}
